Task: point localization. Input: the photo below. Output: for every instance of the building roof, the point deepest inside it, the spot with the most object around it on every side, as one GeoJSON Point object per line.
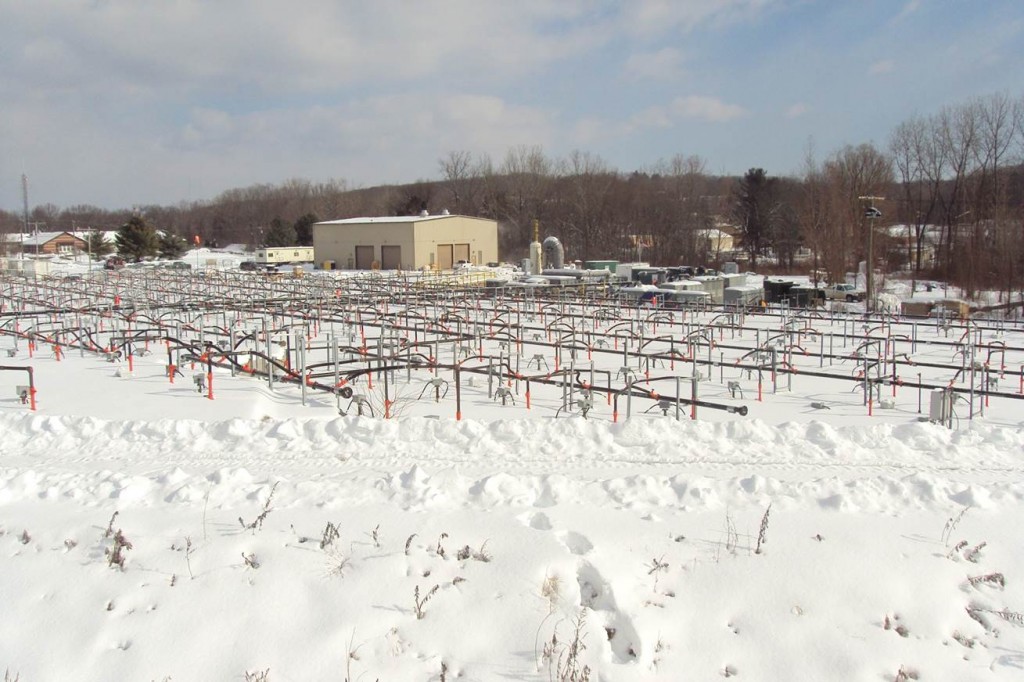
{"type": "Point", "coordinates": [40, 238]}
{"type": "Point", "coordinates": [394, 219]}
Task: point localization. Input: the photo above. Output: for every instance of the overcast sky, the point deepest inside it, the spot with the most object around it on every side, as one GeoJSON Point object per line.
{"type": "Point", "coordinates": [125, 102]}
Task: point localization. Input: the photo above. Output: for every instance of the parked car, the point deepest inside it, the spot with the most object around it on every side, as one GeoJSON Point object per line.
{"type": "Point", "coordinates": [249, 265]}
{"type": "Point", "coordinates": [113, 263]}
{"type": "Point", "coordinates": [844, 292]}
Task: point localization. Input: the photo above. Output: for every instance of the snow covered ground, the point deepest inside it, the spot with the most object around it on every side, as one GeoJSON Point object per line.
{"type": "Point", "coordinates": [280, 541]}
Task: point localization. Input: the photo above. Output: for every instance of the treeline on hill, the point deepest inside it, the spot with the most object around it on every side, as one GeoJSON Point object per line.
{"type": "Point", "coordinates": [952, 180]}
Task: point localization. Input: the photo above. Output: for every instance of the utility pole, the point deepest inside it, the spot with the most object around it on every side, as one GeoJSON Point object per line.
{"type": "Point", "coordinates": [872, 214]}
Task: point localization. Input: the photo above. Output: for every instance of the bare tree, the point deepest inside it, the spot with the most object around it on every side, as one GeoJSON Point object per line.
{"type": "Point", "coordinates": [460, 180]}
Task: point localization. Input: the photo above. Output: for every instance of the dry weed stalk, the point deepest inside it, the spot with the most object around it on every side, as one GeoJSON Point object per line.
{"type": "Point", "coordinates": [972, 554]}
{"type": "Point", "coordinates": [257, 523]}
{"type": "Point", "coordinates": [951, 524]}
{"type": "Point", "coordinates": [250, 560]}
{"type": "Point", "coordinates": [905, 674]}
{"type": "Point", "coordinates": [375, 535]}
{"type": "Point", "coordinates": [655, 568]}
{"type": "Point", "coordinates": [188, 556]}
{"type": "Point", "coordinates": [329, 536]}
{"type": "Point", "coordinates": [337, 562]}
{"type": "Point", "coordinates": [551, 589]}
{"type": "Point", "coordinates": [353, 655]}
{"type": "Point", "coordinates": [762, 534]}
{"type": "Point", "coordinates": [989, 579]}
{"type": "Point", "coordinates": [258, 676]}
{"type": "Point", "coordinates": [115, 554]}
{"type": "Point", "coordinates": [468, 552]}
{"type": "Point", "coordinates": [408, 543]}
{"type": "Point", "coordinates": [421, 603]}
{"type": "Point", "coordinates": [563, 660]}
{"type": "Point", "coordinates": [110, 526]}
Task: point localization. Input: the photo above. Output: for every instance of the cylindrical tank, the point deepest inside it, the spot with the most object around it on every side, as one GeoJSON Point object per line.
{"type": "Point", "coordinates": [535, 258]}
{"type": "Point", "coordinates": [554, 254]}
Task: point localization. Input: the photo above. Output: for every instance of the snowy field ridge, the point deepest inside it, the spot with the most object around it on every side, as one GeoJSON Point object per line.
{"type": "Point", "coordinates": [975, 464]}
{"type": "Point", "coordinates": [358, 548]}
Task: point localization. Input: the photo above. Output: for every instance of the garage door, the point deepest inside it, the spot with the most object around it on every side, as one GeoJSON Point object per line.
{"type": "Point", "coordinates": [364, 257]}
{"type": "Point", "coordinates": [391, 257]}
{"type": "Point", "coordinates": [444, 257]}
{"type": "Point", "coordinates": [462, 253]}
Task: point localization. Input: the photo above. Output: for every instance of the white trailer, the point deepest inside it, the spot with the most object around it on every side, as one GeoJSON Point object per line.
{"type": "Point", "coordinates": [274, 255]}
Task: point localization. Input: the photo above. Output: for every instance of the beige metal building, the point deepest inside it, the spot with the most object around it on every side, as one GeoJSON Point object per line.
{"type": "Point", "coordinates": [405, 242]}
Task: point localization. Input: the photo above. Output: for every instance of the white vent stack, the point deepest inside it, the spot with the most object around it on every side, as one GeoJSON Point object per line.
{"type": "Point", "coordinates": [535, 250]}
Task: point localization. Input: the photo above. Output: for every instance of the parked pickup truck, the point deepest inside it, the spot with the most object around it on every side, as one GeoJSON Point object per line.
{"type": "Point", "coordinates": [844, 292]}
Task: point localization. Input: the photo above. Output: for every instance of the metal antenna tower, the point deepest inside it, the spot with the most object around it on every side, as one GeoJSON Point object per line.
{"type": "Point", "coordinates": [24, 199]}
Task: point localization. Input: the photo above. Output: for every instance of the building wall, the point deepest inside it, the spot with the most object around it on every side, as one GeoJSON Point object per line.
{"type": "Point", "coordinates": [338, 242]}
{"type": "Point", "coordinates": [64, 243]}
{"type": "Point", "coordinates": [419, 240]}
{"type": "Point", "coordinates": [480, 234]}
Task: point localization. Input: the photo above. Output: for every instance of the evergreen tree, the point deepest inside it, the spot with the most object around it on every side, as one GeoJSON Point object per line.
{"type": "Point", "coordinates": [304, 229]}
{"type": "Point", "coordinates": [280, 234]}
{"type": "Point", "coordinates": [137, 240]}
{"type": "Point", "coordinates": [171, 246]}
{"type": "Point", "coordinates": [754, 208]}
{"type": "Point", "coordinates": [97, 245]}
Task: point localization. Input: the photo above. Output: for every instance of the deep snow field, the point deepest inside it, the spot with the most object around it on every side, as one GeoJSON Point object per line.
{"type": "Point", "coordinates": [279, 541]}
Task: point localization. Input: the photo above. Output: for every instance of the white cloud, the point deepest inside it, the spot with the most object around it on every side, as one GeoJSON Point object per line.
{"type": "Point", "coordinates": [706, 108]}
{"type": "Point", "coordinates": [796, 110]}
{"type": "Point", "coordinates": [651, 117]}
{"type": "Point", "coordinates": [655, 17]}
{"type": "Point", "coordinates": [880, 67]}
{"type": "Point", "coordinates": [909, 8]}
{"type": "Point", "coordinates": [663, 64]}
{"type": "Point", "coordinates": [388, 138]}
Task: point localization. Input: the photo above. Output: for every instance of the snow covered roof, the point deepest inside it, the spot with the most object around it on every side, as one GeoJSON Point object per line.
{"type": "Point", "coordinates": [40, 238]}
{"type": "Point", "coordinates": [393, 219]}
